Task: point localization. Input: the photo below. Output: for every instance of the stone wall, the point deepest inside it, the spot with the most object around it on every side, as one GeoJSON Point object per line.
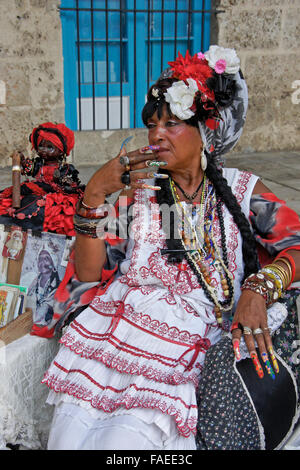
{"type": "Point", "coordinates": [265, 34]}
{"type": "Point", "coordinates": [31, 69]}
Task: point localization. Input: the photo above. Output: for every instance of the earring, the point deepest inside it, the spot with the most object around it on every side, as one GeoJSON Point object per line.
{"type": "Point", "coordinates": [203, 160]}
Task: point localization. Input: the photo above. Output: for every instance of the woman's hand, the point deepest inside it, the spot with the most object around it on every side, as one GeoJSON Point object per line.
{"type": "Point", "coordinates": [107, 179]}
{"type": "Point", "coordinates": [251, 317]}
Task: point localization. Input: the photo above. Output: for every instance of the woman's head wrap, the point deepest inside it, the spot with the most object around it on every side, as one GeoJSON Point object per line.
{"type": "Point", "coordinates": [59, 134]}
{"type": "Point", "coordinates": [210, 84]}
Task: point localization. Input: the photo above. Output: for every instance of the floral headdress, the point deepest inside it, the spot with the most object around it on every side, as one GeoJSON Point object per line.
{"type": "Point", "coordinates": [214, 81]}
{"type": "Point", "coordinates": [198, 80]}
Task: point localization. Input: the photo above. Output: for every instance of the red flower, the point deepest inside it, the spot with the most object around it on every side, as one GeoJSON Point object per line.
{"type": "Point", "coordinates": [196, 68]}
{"type": "Point", "coordinates": [191, 67]}
{"type": "Point", "coordinates": [59, 212]}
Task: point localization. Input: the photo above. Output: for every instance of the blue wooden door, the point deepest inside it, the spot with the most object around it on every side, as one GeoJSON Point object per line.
{"type": "Point", "coordinates": [114, 50]}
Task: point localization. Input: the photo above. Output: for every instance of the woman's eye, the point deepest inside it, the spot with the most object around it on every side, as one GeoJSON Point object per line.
{"type": "Point", "coordinates": [172, 123]}
{"type": "Point", "coordinates": [150, 125]}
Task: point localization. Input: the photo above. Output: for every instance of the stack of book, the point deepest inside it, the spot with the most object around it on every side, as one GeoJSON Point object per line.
{"type": "Point", "coordinates": [12, 302]}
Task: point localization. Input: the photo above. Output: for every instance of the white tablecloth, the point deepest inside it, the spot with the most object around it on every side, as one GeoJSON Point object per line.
{"type": "Point", "coordinates": [24, 417]}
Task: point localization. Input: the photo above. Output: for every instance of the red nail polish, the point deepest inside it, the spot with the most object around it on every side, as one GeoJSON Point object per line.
{"type": "Point", "coordinates": [236, 349]}
{"type": "Point", "coordinates": [257, 365]}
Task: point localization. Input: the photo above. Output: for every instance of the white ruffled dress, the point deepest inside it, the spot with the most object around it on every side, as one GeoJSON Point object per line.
{"type": "Point", "coordinates": [138, 350]}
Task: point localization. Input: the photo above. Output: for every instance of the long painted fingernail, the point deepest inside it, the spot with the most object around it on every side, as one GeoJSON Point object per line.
{"type": "Point", "coordinates": [160, 175]}
{"type": "Point", "coordinates": [268, 366]}
{"type": "Point", "coordinates": [149, 147]}
{"type": "Point", "coordinates": [257, 365]}
{"type": "Point", "coordinates": [236, 349]}
{"type": "Point", "coordinates": [274, 360]}
{"type": "Point", "coordinates": [148, 186]}
{"type": "Point", "coordinates": [125, 141]}
{"type": "Point", "coordinates": [150, 163]}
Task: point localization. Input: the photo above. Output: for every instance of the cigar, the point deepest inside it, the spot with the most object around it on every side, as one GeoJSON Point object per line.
{"type": "Point", "coordinates": [16, 179]}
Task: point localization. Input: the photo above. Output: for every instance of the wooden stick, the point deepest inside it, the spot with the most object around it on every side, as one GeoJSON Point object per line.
{"type": "Point", "coordinates": [16, 179]}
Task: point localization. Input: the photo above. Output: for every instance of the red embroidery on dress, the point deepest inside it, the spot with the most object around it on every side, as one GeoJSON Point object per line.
{"type": "Point", "coordinates": [143, 321]}
{"type": "Point", "coordinates": [129, 398]}
{"type": "Point", "coordinates": [113, 360]}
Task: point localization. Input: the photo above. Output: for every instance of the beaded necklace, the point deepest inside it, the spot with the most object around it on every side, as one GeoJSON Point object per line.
{"type": "Point", "coordinates": [198, 251]}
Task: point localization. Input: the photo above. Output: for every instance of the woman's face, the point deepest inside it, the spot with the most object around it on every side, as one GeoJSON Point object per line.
{"type": "Point", "coordinates": [45, 263]}
{"type": "Point", "coordinates": [48, 151]}
{"type": "Point", "coordinates": [180, 144]}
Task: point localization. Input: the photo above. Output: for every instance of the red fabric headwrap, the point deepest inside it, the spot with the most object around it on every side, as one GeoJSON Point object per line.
{"type": "Point", "coordinates": [67, 133]}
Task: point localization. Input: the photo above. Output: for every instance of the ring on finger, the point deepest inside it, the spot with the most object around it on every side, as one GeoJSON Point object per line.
{"type": "Point", "coordinates": [236, 326]}
{"type": "Point", "coordinates": [124, 160]}
{"type": "Point", "coordinates": [257, 331]}
{"type": "Point", "coordinates": [267, 328]}
{"type": "Point", "coordinates": [125, 178]}
{"type": "Point", "coordinates": [247, 330]}
{"type": "Point", "coordinates": [151, 163]}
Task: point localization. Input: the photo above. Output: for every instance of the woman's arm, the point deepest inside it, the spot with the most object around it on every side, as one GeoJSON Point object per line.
{"type": "Point", "coordinates": [90, 256]}
{"type": "Point", "coordinates": [280, 235]}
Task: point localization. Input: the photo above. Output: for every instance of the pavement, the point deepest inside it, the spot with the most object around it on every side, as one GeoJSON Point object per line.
{"type": "Point", "coordinates": [279, 171]}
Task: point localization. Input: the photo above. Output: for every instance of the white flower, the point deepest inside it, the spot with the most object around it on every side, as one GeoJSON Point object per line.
{"type": "Point", "coordinates": [181, 98]}
{"type": "Point", "coordinates": [216, 53]}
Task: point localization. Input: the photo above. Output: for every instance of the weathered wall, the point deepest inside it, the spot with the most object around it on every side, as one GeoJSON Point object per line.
{"type": "Point", "coordinates": [265, 34]}
{"type": "Point", "coordinates": [31, 68]}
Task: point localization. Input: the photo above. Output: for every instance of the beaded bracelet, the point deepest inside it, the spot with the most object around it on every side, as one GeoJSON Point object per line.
{"type": "Point", "coordinates": [88, 227]}
{"type": "Point", "coordinates": [91, 212]}
{"type": "Point", "coordinates": [275, 277]}
{"type": "Point", "coordinates": [261, 284]}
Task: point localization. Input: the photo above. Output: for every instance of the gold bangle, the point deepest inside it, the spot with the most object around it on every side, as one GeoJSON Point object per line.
{"type": "Point", "coordinates": [282, 273]}
{"type": "Point", "coordinates": [16, 168]}
{"type": "Point", "coordinates": [287, 263]}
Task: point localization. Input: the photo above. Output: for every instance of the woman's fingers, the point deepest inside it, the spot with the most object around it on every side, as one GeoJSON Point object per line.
{"type": "Point", "coordinates": [265, 360]}
{"type": "Point", "coordinates": [236, 338]}
{"type": "Point", "coordinates": [142, 158]}
{"type": "Point", "coordinates": [138, 179]}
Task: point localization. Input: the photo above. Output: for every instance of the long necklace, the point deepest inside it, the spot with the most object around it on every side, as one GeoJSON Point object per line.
{"type": "Point", "coordinates": [190, 197]}
{"type": "Point", "coordinates": [209, 252]}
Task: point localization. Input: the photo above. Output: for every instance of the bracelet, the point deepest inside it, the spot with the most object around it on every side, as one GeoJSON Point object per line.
{"type": "Point", "coordinates": [281, 272]}
{"type": "Point", "coordinates": [262, 284]}
{"type": "Point", "coordinates": [257, 288]}
{"type": "Point", "coordinates": [90, 212]}
{"type": "Point", "coordinates": [285, 254]}
{"type": "Point", "coordinates": [93, 228]}
{"type": "Point", "coordinates": [289, 261]}
{"type": "Point", "coordinates": [275, 277]}
{"type": "Point", "coordinates": [16, 168]}
{"type": "Point", "coordinates": [87, 233]}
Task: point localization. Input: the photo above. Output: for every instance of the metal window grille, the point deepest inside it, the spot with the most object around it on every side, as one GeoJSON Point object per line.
{"type": "Point", "coordinates": [115, 49]}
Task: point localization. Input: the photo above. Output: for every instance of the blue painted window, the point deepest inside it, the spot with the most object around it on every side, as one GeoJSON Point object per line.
{"type": "Point", "coordinates": [114, 50]}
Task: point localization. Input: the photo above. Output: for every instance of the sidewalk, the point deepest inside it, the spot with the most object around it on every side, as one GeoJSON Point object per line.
{"type": "Point", "coordinates": [279, 171]}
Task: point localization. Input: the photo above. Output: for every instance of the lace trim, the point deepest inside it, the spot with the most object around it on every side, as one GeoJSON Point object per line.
{"type": "Point", "coordinates": [122, 365]}
{"type": "Point", "coordinates": [145, 322]}
{"type": "Point", "coordinates": [141, 399]}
